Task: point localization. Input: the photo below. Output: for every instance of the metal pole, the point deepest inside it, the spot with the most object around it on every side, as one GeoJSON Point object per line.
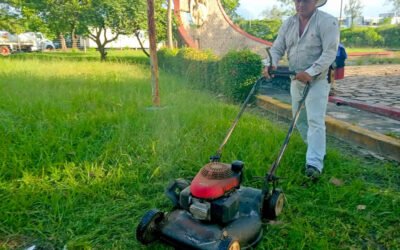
{"type": "Point", "coordinates": [153, 52]}
{"type": "Point", "coordinates": [340, 16]}
{"type": "Point", "coordinates": [169, 22]}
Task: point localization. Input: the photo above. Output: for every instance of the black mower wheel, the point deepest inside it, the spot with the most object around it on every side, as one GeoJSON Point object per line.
{"type": "Point", "coordinates": [274, 205]}
{"type": "Point", "coordinates": [147, 231]}
{"type": "Point", "coordinates": [229, 244]}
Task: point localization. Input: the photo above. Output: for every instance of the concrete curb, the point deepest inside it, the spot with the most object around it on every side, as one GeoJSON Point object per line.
{"type": "Point", "coordinates": [376, 142]}
{"type": "Point", "coordinates": [390, 112]}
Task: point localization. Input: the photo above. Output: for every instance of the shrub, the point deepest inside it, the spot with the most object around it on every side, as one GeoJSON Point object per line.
{"type": "Point", "coordinates": [233, 75]}
{"type": "Point", "coordinates": [390, 35]}
{"type": "Point", "coordinates": [239, 70]}
{"type": "Point", "coordinates": [361, 37]}
{"type": "Point", "coordinates": [199, 67]}
{"type": "Point", "coordinates": [166, 58]}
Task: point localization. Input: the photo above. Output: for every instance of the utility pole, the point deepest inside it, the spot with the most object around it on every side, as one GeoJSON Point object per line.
{"type": "Point", "coordinates": [340, 17]}
{"type": "Point", "coordinates": [169, 23]}
{"type": "Point", "coordinates": [153, 53]}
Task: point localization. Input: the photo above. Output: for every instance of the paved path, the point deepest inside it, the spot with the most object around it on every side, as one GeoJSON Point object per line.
{"type": "Point", "coordinates": [373, 84]}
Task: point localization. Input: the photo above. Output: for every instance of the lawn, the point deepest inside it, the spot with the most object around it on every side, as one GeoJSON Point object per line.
{"type": "Point", "coordinates": [83, 156]}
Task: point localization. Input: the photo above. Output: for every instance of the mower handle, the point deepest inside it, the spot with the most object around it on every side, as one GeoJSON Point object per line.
{"type": "Point", "coordinates": [271, 71]}
{"type": "Point", "coordinates": [217, 156]}
{"type": "Point", "coordinates": [271, 173]}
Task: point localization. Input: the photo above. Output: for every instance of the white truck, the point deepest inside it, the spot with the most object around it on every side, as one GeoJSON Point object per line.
{"type": "Point", "coordinates": [28, 41]}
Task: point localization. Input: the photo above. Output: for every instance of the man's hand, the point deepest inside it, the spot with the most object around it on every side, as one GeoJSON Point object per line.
{"type": "Point", "coordinates": [303, 77]}
{"type": "Point", "coordinates": [266, 71]}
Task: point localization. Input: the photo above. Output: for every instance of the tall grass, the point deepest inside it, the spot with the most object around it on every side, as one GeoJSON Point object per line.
{"type": "Point", "coordinates": [83, 157]}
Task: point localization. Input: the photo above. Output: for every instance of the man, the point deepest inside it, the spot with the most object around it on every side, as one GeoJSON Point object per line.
{"type": "Point", "coordinates": [310, 38]}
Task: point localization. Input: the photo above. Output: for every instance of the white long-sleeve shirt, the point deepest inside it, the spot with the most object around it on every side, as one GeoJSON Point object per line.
{"type": "Point", "coordinates": [314, 51]}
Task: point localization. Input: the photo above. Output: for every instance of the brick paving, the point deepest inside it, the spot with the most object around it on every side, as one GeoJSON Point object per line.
{"type": "Point", "coordinates": [373, 84]}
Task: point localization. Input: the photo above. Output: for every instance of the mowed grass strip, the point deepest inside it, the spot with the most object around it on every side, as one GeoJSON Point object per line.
{"type": "Point", "coordinates": [83, 157]}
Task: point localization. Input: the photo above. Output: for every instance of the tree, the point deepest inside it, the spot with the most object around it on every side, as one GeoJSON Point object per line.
{"type": "Point", "coordinates": [264, 29]}
{"type": "Point", "coordinates": [230, 7]}
{"type": "Point", "coordinates": [169, 24]}
{"type": "Point", "coordinates": [17, 17]}
{"type": "Point", "coordinates": [275, 13]}
{"type": "Point", "coordinates": [117, 16]}
{"type": "Point", "coordinates": [396, 6]}
{"type": "Point", "coordinates": [140, 23]}
{"type": "Point", "coordinates": [288, 7]}
{"type": "Point", "coordinates": [353, 9]}
{"type": "Point", "coordinates": [9, 18]}
{"type": "Point", "coordinates": [63, 17]}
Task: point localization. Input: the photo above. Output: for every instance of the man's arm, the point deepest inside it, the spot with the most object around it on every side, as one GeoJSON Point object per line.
{"type": "Point", "coordinates": [329, 32]}
{"type": "Point", "coordinates": [278, 48]}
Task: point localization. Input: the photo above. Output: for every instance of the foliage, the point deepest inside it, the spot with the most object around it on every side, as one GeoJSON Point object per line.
{"type": "Point", "coordinates": [288, 7]}
{"type": "Point", "coordinates": [81, 17]}
{"type": "Point", "coordinates": [82, 159]}
{"type": "Point", "coordinates": [118, 16]}
{"type": "Point", "coordinates": [390, 35]}
{"type": "Point", "coordinates": [386, 36]}
{"type": "Point", "coordinates": [264, 29]}
{"type": "Point", "coordinates": [396, 5]}
{"type": "Point", "coordinates": [233, 74]}
{"type": "Point", "coordinates": [9, 20]}
{"type": "Point", "coordinates": [199, 67]}
{"type": "Point", "coordinates": [230, 7]}
{"type": "Point", "coordinates": [361, 36]}
{"type": "Point", "coordinates": [275, 13]}
{"type": "Point", "coordinates": [353, 9]}
{"type": "Point", "coordinates": [239, 70]}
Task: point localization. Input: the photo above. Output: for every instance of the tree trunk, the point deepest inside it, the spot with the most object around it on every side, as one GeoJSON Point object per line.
{"type": "Point", "coordinates": [153, 53]}
{"type": "Point", "coordinates": [169, 25]}
{"type": "Point", "coordinates": [62, 42]}
{"type": "Point", "coordinates": [74, 39]}
{"type": "Point", "coordinates": [102, 50]}
{"type": "Point", "coordinates": [141, 44]}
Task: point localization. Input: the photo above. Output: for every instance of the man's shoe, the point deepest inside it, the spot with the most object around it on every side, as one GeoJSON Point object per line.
{"type": "Point", "coordinates": [312, 172]}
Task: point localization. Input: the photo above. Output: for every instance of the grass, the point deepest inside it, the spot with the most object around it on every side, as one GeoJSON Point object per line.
{"type": "Point", "coordinates": [82, 158]}
{"type": "Point", "coordinates": [113, 55]}
{"type": "Point", "coordinates": [371, 60]}
{"type": "Point", "coordinates": [350, 50]}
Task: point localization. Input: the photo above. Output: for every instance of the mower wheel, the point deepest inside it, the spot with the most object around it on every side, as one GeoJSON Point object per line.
{"type": "Point", "coordinates": [229, 244]}
{"type": "Point", "coordinates": [147, 231]}
{"type": "Point", "coordinates": [274, 205]}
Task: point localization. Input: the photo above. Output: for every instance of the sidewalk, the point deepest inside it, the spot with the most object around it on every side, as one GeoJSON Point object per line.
{"type": "Point", "coordinates": [372, 131]}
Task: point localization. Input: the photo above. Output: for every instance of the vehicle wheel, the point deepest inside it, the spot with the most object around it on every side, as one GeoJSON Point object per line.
{"type": "Point", "coordinates": [49, 47]}
{"type": "Point", "coordinates": [5, 51]}
{"type": "Point", "coordinates": [229, 244]}
{"type": "Point", "coordinates": [274, 205]}
{"type": "Point", "coordinates": [147, 231]}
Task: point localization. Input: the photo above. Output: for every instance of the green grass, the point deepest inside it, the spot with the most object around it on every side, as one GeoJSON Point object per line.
{"type": "Point", "coordinates": [121, 56]}
{"type": "Point", "coordinates": [350, 50]}
{"type": "Point", "coordinates": [82, 158]}
{"type": "Point", "coordinates": [371, 60]}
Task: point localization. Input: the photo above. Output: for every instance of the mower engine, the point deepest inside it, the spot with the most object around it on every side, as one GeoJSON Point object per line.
{"type": "Point", "coordinates": [212, 195]}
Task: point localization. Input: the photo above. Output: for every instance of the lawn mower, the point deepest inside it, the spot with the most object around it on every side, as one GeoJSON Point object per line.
{"type": "Point", "coordinates": [213, 210]}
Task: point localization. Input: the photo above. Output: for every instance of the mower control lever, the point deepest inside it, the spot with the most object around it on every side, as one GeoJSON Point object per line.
{"type": "Point", "coordinates": [271, 174]}
{"type": "Point", "coordinates": [271, 71]}
{"type": "Point", "coordinates": [280, 72]}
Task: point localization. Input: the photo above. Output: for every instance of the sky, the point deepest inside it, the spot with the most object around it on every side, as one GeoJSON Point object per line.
{"type": "Point", "coordinates": [372, 8]}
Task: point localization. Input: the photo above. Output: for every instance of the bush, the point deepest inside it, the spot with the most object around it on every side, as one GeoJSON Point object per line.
{"type": "Point", "coordinates": [233, 75]}
{"type": "Point", "coordinates": [390, 35]}
{"type": "Point", "coordinates": [239, 70]}
{"type": "Point", "coordinates": [166, 57]}
{"type": "Point", "coordinates": [361, 37]}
